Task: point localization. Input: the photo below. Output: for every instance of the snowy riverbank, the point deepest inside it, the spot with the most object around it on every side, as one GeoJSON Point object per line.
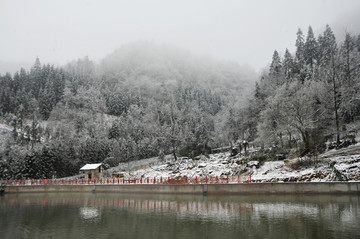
{"type": "Point", "coordinates": [331, 166]}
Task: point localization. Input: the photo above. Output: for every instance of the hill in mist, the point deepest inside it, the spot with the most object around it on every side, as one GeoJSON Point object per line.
{"type": "Point", "coordinates": [142, 100]}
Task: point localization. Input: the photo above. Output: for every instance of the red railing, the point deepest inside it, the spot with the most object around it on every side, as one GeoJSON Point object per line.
{"type": "Point", "coordinates": [153, 180]}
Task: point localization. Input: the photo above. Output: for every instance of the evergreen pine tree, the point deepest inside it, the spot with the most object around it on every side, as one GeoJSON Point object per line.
{"type": "Point", "coordinates": [16, 84]}
{"type": "Point", "coordinates": [276, 71]}
{"type": "Point", "coordinates": [300, 47]}
{"type": "Point", "coordinates": [327, 46]}
{"type": "Point", "coordinates": [24, 80]}
{"type": "Point", "coordinates": [114, 131]}
{"type": "Point", "coordinates": [275, 67]}
{"type": "Point", "coordinates": [310, 49]}
{"type": "Point", "coordinates": [350, 62]}
{"type": "Point", "coordinates": [36, 78]}
{"type": "Point", "coordinates": [47, 100]}
{"type": "Point", "coordinates": [347, 57]}
{"type": "Point", "coordinates": [58, 84]}
{"type": "Point", "coordinates": [299, 62]}
{"type": "Point", "coordinates": [288, 65]}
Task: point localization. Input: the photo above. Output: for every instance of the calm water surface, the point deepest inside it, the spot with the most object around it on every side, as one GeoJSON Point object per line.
{"type": "Point", "coordinates": [176, 216]}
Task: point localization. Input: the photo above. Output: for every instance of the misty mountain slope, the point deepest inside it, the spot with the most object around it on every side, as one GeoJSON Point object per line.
{"type": "Point", "coordinates": [154, 65]}
{"type": "Point", "coordinates": [181, 99]}
{"type": "Point", "coordinates": [142, 101]}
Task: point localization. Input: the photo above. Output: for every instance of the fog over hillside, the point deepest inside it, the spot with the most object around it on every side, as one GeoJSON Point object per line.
{"type": "Point", "coordinates": [140, 101]}
{"type": "Point", "coordinates": [241, 31]}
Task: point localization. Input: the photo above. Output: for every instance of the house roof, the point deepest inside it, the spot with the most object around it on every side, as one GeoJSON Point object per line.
{"type": "Point", "coordinates": [91, 166]}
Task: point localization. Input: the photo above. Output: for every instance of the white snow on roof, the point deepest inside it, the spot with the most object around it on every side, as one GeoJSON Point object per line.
{"type": "Point", "coordinates": [91, 166]}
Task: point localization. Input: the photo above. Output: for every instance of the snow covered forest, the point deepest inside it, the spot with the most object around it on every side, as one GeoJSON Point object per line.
{"type": "Point", "coordinates": [146, 100]}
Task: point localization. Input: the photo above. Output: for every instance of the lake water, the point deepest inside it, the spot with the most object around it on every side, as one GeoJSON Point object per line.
{"type": "Point", "coordinates": [98, 215]}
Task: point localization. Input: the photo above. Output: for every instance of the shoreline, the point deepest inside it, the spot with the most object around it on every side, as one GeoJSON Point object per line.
{"type": "Point", "coordinates": [211, 189]}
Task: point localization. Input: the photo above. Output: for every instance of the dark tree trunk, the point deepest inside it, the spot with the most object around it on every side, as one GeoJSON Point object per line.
{"type": "Point", "coordinates": [306, 140]}
{"type": "Point", "coordinates": [336, 107]}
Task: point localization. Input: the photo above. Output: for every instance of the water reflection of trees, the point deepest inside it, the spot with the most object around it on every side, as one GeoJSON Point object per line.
{"type": "Point", "coordinates": [254, 216]}
{"type": "Point", "coordinates": [136, 204]}
{"type": "Point", "coordinates": [191, 205]}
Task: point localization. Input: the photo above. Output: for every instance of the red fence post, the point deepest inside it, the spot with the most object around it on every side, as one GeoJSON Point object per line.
{"type": "Point", "coordinates": [154, 180]}
{"type": "Point", "coordinates": [196, 181]}
{"type": "Point", "coordinates": [161, 179]}
{"type": "Point", "coordinates": [227, 179]}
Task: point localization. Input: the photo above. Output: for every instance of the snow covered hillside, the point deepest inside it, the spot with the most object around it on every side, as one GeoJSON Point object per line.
{"type": "Point", "coordinates": [337, 165]}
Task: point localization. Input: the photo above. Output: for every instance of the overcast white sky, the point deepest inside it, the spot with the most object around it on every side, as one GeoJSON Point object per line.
{"type": "Point", "coordinates": [243, 31]}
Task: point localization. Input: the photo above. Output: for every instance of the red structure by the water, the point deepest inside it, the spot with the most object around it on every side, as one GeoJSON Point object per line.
{"type": "Point", "coordinates": [154, 180]}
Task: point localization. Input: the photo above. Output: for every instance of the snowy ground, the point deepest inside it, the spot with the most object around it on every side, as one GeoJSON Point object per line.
{"type": "Point", "coordinates": [333, 166]}
{"type": "Point", "coordinates": [5, 127]}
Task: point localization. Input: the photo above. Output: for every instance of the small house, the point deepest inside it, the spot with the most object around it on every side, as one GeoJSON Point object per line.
{"type": "Point", "coordinates": [92, 171]}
